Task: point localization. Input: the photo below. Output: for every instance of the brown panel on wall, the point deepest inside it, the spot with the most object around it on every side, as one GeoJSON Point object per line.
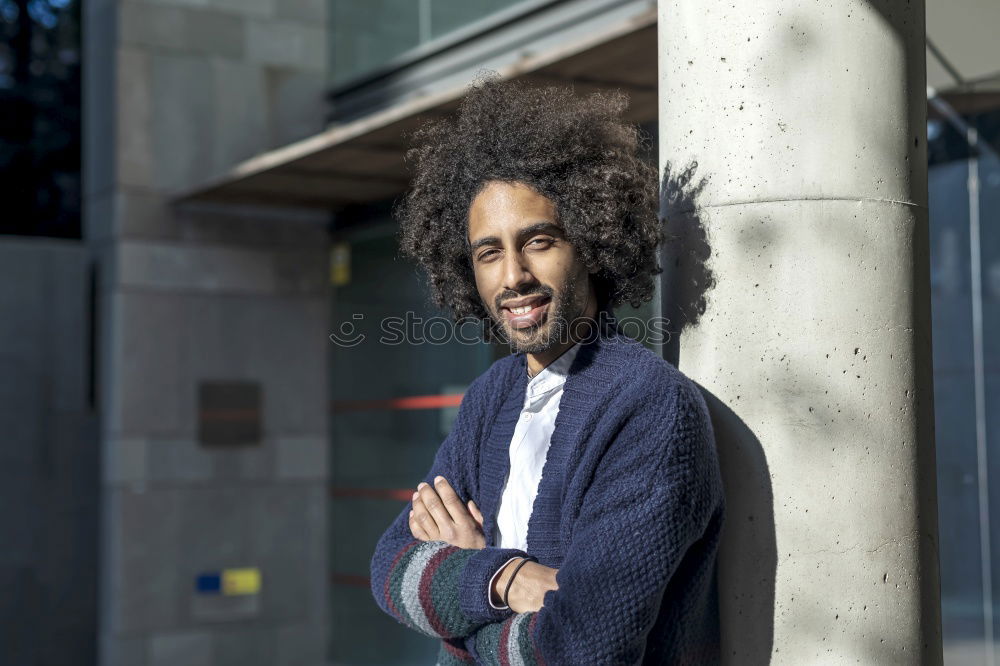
{"type": "Point", "coordinates": [229, 413]}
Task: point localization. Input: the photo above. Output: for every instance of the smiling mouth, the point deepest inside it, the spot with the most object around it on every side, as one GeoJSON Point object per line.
{"type": "Point", "coordinates": [527, 315]}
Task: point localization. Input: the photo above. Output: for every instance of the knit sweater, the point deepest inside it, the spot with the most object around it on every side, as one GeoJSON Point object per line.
{"type": "Point", "coordinates": [629, 510]}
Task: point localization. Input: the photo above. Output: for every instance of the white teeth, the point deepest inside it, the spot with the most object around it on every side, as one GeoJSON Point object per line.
{"type": "Point", "coordinates": [521, 310]}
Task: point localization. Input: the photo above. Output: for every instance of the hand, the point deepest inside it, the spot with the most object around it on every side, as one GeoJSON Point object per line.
{"type": "Point", "coordinates": [439, 515]}
{"type": "Point", "coordinates": [527, 593]}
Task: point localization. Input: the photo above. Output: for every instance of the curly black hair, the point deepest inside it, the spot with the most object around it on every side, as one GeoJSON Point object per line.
{"type": "Point", "coordinates": [577, 151]}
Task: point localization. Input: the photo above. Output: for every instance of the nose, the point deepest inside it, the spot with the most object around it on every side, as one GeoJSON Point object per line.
{"type": "Point", "coordinates": [516, 272]}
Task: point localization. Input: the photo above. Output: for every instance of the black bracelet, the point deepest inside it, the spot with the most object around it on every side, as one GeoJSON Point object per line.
{"type": "Point", "coordinates": [524, 560]}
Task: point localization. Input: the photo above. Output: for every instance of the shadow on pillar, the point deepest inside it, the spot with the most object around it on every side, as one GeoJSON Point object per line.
{"type": "Point", "coordinates": [748, 552]}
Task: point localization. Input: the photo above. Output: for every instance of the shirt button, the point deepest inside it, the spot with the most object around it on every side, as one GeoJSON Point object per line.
{"type": "Point", "coordinates": [527, 416]}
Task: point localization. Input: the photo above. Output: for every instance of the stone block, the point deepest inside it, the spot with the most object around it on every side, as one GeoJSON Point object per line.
{"type": "Point", "coordinates": [124, 459]}
{"type": "Point", "coordinates": [306, 11]}
{"type": "Point", "coordinates": [185, 30]}
{"type": "Point", "coordinates": [257, 8]}
{"type": "Point", "coordinates": [141, 558]}
{"type": "Point", "coordinates": [116, 650]}
{"type": "Point", "coordinates": [178, 267]}
{"type": "Point", "coordinates": [288, 44]}
{"type": "Point", "coordinates": [142, 213]}
{"type": "Point", "coordinates": [155, 394]}
{"type": "Point", "coordinates": [134, 145]}
{"type": "Point", "coordinates": [302, 271]}
{"type": "Point", "coordinates": [296, 104]}
{"type": "Point", "coordinates": [177, 461]}
{"type": "Point", "coordinates": [215, 529]}
{"type": "Point", "coordinates": [288, 346]}
{"type": "Point", "coordinates": [302, 457]}
{"type": "Point", "coordinates": [300, 644]}
{"type": "Point", "coordinates": [289, 544]}
{"type": "Point", "coordinates": [240, 113]}
{"type": "Point", "coordinates": [183, 95]}
{"type": "Point", "coordinates": [189, 648]}
{"type": "Point", "coordinates": [246, 646]}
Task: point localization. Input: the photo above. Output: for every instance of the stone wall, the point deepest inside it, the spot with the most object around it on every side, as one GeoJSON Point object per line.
{"type": "Point", "coordinates": [178, 92]}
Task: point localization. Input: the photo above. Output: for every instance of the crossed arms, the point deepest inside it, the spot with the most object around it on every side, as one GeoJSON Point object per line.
{"type": "Point", "coordinates": [641, 511]}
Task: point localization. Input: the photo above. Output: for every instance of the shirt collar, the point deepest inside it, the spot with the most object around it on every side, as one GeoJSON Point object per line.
{"type": "Point", "coordinates": [552, 375]}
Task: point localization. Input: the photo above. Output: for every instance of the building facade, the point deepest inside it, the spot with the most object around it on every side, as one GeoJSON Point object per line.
{"type": "Point", "coordinates": [259, 428]}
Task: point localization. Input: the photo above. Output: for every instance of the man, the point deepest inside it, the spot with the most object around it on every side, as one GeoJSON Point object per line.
{"type": "Point", "coordinates": [572, 514]}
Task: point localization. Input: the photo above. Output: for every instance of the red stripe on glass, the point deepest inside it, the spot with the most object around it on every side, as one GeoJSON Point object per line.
{"type": "Point", "coordinates": [409, 402]}
{"type": "Point", "coordinates": [400, 494]}
{"type": "Point", "coordinates": [351, 580]}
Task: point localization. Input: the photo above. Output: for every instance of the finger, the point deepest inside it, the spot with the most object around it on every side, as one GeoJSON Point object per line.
{"type": "Point", "coordinates": [416, 529]}
{"type": "Point", "coordinates": [436, 509]}
{"type": "Point", "coordinates": [452, 502]}
{"type": "Point", "coordinates": [423, 518]}
{"type": "Point", "coordinates": [476, 513]}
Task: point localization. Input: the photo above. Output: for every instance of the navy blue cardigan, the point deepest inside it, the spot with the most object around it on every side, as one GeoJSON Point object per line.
{"type": "Point", "coordinates": [629, 509]}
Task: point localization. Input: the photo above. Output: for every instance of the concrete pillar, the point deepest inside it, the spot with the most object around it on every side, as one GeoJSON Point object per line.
{"type": "Point", "coordinates": [808, 211]}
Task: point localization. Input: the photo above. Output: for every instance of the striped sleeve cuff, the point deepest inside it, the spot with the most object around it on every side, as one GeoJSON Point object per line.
{"type": "Point", "coordinates": [509, 642]}
{"type": "Point", "coordinates": [421, 590]}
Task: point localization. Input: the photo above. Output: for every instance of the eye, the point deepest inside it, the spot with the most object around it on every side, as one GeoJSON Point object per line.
{"type": "Point", "coordinates": [486, 255]}
{"type": "Point", "coordinates": [545, 241]}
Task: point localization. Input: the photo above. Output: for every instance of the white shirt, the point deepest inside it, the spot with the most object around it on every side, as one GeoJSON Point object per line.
{"type": "Point", "coordinates": [528, 449]}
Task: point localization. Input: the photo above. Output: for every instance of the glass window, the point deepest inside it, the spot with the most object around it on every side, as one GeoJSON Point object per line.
{"type": "Point", "coordinates": [395, 394]}
{"type": "Point", "coordinates": [367, 35]}
{"type": "Point", "coordinates": [964, 189]}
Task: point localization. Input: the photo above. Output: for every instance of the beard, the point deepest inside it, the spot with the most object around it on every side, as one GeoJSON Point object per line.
{"type": "Point", "coordinates": [555, 329]}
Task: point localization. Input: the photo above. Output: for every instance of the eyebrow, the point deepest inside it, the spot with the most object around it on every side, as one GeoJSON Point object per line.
{"type": "Point", "coordinates": [530, 230]}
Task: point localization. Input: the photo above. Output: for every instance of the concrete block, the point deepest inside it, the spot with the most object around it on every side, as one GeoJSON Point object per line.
{"type": "Point", "coordinates": [117, 650]}
{"type": "Point", "coordinates": [183, 95]}
{"type": "Point", "coordinates": [181, 29]}
{"type": "Point", "coordinates": [302, 457]}
{"type": "Point", "coordinates": [215, 530]}
{"type": "Point", "coordinates": [289, 347]}
{"type": "Point", "coordinates": [302, 271]}
{"type": "Point", "coordinates": [306, 11]}
{"type": "Point", "coordinates": [300, 644]}
{"type": "Point", "coordinates": [296, 104]}
{"type": "Point", "coordinates": [247, 646]}
{"type": "Point", "coordinates": [190, 648]}
{"type": "Point", "coordinates": [177, 461]}
{"type": "Point", "coordinates": [124, 459]}
{"type": "Point", "coordinates": [240, 113]}
{"type": "Point", "coordinates": [285, 43]}
{"type": "Point", "coordinates": [154, 391]}
{"type": "Point", "coordinates": [141, 560]}
{"type": "Point", "coordinates": [133, 131]}
{"type": "Point", "coordinates": [256, 8]}
{"type": "Point", "coordinates": [249, 463]}
{"type": "Point", "coordinates": [289, 543]}
{"type": "Point", "coordinates": [143, 213]}
{"type": "Point", "coordinates": [177, 267]}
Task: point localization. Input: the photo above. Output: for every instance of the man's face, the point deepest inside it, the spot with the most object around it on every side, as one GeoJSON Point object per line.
{"type": "Point", "coordinates": [529, 277]}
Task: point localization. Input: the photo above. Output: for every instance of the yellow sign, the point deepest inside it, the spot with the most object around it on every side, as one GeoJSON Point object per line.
{"type": "Point", "coordinates": [340, 264]}
{"type": "Point", "coordinates": [240, 581]}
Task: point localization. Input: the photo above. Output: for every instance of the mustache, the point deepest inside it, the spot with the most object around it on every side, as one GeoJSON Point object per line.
{"type": "Point", "coordinates": [542, 291]}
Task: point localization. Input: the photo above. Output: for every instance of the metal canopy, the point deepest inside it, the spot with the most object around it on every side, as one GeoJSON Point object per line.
{"type": "Point", "coordinates": [362, 161]}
